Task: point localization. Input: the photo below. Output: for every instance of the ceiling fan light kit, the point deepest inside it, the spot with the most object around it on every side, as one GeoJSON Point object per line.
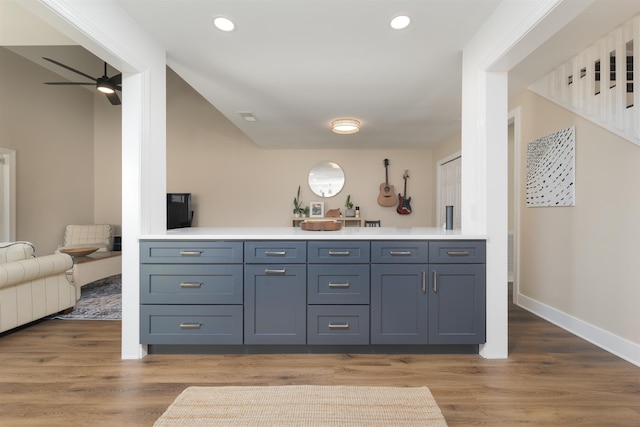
{"type": "Point", "coordinates": [345, 126]}
{"type": "Point", "coordinates": [104, 84]}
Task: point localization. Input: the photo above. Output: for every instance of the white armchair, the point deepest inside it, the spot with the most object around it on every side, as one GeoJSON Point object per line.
{"type": "Point", "coordinates": [93, 235]}
{"type": "Point", "coordinates": [32, 288]}
{"type": "Point", "coordinates": [104, 263]}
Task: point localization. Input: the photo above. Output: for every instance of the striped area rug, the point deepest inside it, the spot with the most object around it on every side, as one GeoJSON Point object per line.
{"type": "Point", "coordinates": [303, 405]}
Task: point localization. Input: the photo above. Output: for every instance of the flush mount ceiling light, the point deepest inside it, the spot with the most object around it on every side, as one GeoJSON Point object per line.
{"type": "Point", "coordinates": [224, 24]}
{"type": "Point", "coordinates": [400, 22]}
{"type": "Point", "coordinates": [345, 126]}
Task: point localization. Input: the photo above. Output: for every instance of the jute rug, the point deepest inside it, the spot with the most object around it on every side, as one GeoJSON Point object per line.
{"type": "Point", "coordinates": [304, 405]}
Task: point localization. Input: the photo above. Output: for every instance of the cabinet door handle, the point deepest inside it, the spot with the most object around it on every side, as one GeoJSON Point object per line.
{"type": "Point", "coordinates": [335, 253]}
{"type": "Point", "coordinates": [275, 253]}
{"type": "Point", "coordinates": [424, 282]}
{"type": "Point", "coordinates": [190, 253]}
{"type": "Point", "coordinates": [435, 282]}
{"type": "Point", "coordinates": [339, 285]}
{"type": "Point", "coordinates": [190, 285]}
{"type": "Point", "coordinates": [458, 253]}
{"type": "Point", "coordinates": [273, 271]}
{"type": "Point", "coordinates": [399, 253]}
{"type": "Point", "coordinates": [190, 325]}
{"type": "Point", "coordinates": [338, 326]}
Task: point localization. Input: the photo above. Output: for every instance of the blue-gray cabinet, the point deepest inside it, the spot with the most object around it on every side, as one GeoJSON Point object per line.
{"type": "Point", "coordinates": [338, 292]}
{"type": "Point", "coordinates": [457, 292]}
{"type": "Point", "coordinates": [191, 292]}
{"type": "Point", "coordinates": [275, 293]}
{"type": "Point", "coordinates": [312, 292]}
{"type": "Point", "coordinates": [428, 292]}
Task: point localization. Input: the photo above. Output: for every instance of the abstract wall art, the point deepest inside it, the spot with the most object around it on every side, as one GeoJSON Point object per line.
{"type": "Point", "coordinates": [551, 170]}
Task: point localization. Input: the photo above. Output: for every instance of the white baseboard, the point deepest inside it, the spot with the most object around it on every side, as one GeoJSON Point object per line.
{"type": "Point", "coordinates": [612, 343]}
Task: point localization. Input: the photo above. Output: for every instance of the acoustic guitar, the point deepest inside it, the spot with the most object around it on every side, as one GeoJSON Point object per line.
{"type": "Point", "coordinates": [404, 202]}
{"type": "Point", "coordinates": [387, 196]}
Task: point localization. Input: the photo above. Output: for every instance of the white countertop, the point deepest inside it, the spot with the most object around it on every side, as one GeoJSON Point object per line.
{"type": "Point", "coordinates": [295, 233]}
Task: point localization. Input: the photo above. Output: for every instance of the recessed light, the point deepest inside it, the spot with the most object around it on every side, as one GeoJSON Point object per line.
{"type": "Point", "coordinates": [400, 22]}
{"type": "Point", "coordinates": [247, 116]}
{"type": "Point", "coordinates": [224, 24]}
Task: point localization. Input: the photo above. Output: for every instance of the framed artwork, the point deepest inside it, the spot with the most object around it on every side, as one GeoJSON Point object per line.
{"type": "Point", "coordinates": [551, 170]}
{"type": "Point", "coordinates": [316, 210]}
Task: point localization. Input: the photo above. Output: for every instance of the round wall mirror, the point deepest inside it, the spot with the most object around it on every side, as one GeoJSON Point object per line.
{"type": "Point", "coordinates": [326, 179]}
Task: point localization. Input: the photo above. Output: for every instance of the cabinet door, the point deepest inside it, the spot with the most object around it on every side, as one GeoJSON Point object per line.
{"type": "Point", "coordinates": [457, 304]}
{"type": "Point", "coordinates": [275, 304]}
{"type": "Point", "coordinates": [399, 304]}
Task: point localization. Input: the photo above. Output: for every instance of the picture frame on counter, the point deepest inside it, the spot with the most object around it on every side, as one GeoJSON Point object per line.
{"type": "Point", "coordinates": [316, 210]}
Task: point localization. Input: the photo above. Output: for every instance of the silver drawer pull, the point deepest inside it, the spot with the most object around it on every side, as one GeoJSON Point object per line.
{"type": "Point", "coordinates": [275, 253]}
{"type": "Point", "coordinates": [190, 253]}
{"type": "Point", "coordinates": [338, 326]}
{"type": "Point", "coordinates": [190, 325]}
{"type": "Point", "coordinates": [190, 285]}
{"type": "Point", "coordinates": [458, 253]}
{"type": "Point", "coordinates": [400, 253]}
{"type": "Point", "coordinates": [342, 253]}
{"type": "Point", "coordinates": [272, 271]}
{"type": "Point", "coordinates": [339, 285]}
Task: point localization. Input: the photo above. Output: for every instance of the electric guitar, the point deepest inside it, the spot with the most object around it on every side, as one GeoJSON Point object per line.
{"type": "Point", "coordinates": [404, 202]}
{"type": "Point", "coordinates": [387, 196]}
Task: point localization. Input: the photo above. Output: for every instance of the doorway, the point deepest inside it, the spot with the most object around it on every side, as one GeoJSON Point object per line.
{"type": "Point", "coordinates": [513, 141]}
{"type": "Point", "coordinates": [450, 189]}
{"type": "Point", "coordinates": [7, 195]}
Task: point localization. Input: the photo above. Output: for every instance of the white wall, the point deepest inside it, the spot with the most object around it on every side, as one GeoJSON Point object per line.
{"type": "Point", "coordinates": [579, 265]}
{"type": "Point", "coordinates": [236, 183]}
{"type": "Point", "coordinates": [107, 162]}
{"type": "Point", "coordinates": [51, 129]}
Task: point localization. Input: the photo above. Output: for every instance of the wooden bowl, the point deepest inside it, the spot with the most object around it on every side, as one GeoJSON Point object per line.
{"type": "Point", "coordinates": [78, 252]}
{"type": "Point", "coordinates": [321, 225]}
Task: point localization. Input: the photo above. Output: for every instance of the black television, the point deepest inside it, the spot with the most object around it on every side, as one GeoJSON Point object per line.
{"type": "Point", "coordinates": [179, 213]}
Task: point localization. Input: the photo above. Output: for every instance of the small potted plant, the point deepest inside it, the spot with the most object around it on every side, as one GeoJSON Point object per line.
{"type": "Point", "coordinates": [349, 212]}
{"type": "Point", "coordinates": [298, 210]}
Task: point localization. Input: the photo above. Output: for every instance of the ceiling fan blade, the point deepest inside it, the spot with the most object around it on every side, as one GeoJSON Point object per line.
{"type": "Point", "coordinates": [69, 83]}
{"type": "Point", "coordinates": [70, 69]}
{"type": "Point", "coordinates": [113, 98]}
{"type": "Point", "coordinates": [116, 80]}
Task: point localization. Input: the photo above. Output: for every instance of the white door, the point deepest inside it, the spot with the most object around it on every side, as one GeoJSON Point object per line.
{"type": "Point", "coordinates": [449, 190]}
{"type": "Point", "coordinates": [7, 195]}
{"type": "Point", "coordinates": [3, 214]}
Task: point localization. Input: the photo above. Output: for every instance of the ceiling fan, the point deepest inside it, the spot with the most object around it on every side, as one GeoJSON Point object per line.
{"type": "Point", "coordinates": [106, 85]}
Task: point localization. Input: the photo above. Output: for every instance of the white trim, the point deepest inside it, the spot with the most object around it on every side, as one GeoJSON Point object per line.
{"type": "Point", "coordinates": [608, 341]}
{"type": "Point", "coordinates": [106, 30]}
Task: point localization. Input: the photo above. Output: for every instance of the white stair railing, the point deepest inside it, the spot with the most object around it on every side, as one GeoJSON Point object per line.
{"type": "Point", "coordinates": [601, 83]}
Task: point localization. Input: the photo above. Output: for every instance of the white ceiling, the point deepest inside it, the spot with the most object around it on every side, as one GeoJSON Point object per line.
{"type": "Point", "coordinates": [296, 65]}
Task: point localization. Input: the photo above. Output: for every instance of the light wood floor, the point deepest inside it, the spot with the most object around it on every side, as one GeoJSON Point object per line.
{"type": "Point", "coordinates": [69, 373]}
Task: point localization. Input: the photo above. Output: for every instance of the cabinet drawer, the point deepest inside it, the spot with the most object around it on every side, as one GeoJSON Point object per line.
{"type": "Point", "coordinates": [338, 284]}
{"type": "Point", "coordinates": [457, 252]}
{"type": "Point", "coordinates": [399, 252]}
{"type": "Point", "coordinates": [275, 252]}
{"type": "Point", "coordinates": [191, 284]}
{"type": "Point", "coordinates": [338, 324]}
{"type": "Point", "coordinates": [338, 252]}
{"type": "Point", "coordinates": [191, 324]}
{"type": "Point", "coordinates": [194, 252]}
